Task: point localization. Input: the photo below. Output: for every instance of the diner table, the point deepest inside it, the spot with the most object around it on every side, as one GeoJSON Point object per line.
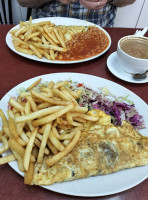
{"type": "Point", "coordinates": [15, 69]}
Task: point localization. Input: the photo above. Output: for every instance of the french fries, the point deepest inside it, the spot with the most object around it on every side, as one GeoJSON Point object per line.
{"type": "Point", "coordinates": [29, 174]}
{"type": "Point", "coordinates": [43, 39]}
{"type": "Point", "coordinates": [43, 143]}
{"type": "Point", "coordinates": [6, 159]}
{"type": "Point", "coordinates": [29, 147]}
{"type": "Point", "coordinates": [38, 126]}
{"type": "Point", "coordinates": [51, 161]}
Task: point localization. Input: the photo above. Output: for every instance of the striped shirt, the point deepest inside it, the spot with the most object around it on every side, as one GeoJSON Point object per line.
{"type": "Point", "coordinates": [103, 17]}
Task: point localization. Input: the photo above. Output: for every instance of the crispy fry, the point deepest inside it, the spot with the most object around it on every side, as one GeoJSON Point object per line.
{"type": "Point", "coordinates": [43, 143]}
{"type": "Point", "coordinates": [5, 146]}
{"type": "Point", "coordinates": [7, 131]}
{"type": "Point", "coordinates": [51, 161]}
{"type": "Point", "coordinates": [50, 84]}
{"type": "Point", "coordinates": [29, 36]}
{"type": "Point", "coordinates": [7, 159]}
{"type": "Point", "coordinates": [18, 40]}
{"type": "Point", "coordinates": [48, 100]}
{"type": "Point", "coordinates": [70, 120]}
{"type": "Point", "coordinates": [16, 147]}
{"type": "Point", "coordinates": [55, 132]}
{"type": "Point", "coordinates": [46, 94]}
{"type": "Point", "coordinates": [66, 142]}
{"type": "Point", "coordinates": [25, 51]}
{"type": "Point", "coordinates": [4, 119]}
{"type": "Point", "coordinates": [50, 35]}
{"type": "Point", "coordinates": [5, 143]}
{"type": "Point", "coordinates": [19, 160]}
{"type": "Point", "coordinates": [75, 94]}
{"type": "Point", "coordinates": [50, 46]}
{"type": "Point", "coordinates": [35, 50]}
{"type": "Point", "coordinates": [68, 95]}
{"type": "Point", "coordinates": [24, 94]}
{"type": "Point", "coordinates": [32, 103]}
{"type": "Point", "coordinates": [48, 39]}
{"type": "Point", "coordinates": [53, 116]}
{"type": "Point", "coordinates": [29, 174]}
{"type": "Point", "coordinates": [80, 109]}
{"type": "Point", "coordinates": [35, 151]}
{"type": "Point", "coordinates": [19, 31]}
{"type": "Point", "coordinates": [60, 94]}
{"type": "Point", "coordinates": [20, 127]}
{"type": "Point", "coordinates": [24, 137]}
{"type": "Point", "coordinates": [2, 133]}
{"type": "Point", "coordinates": [43, 105]}
{"type": "Point", "coordinates": [47, 90]}
{"type": "Point", "coordinates": [39, 113]}
{"type": "Point", "coordinates": [16, 105]}
{"type": "Point", "coordinates": [55, 141]}
{"type": "Point", "coordinates": [59, 38]}
{"type": "Point", "coordinates": [52, 56]}
{"type": "Point", "coordinates": [44, 40]}
{"type": "Point", "coordinates": [13, 129]}
{"type": "Point", "coordinates": [10, 114]}
{"type": "Point", "coordinates": [60, 84]}
{"type": "Point", "coordinates": [84, 116]}
{"type": "Point", "coordinates": [78, 119]}
{"type": "Point", "coordinates": [34, 84]}
{"type": "Point", "coordinates": [28, 149]}
{"type": "Point", "coordinates": [52, 147]}
{"type": "Point", "coordinates": [2, 150]}
{"type": "Point", "coordinates": [37, 142]}
{"type": "Point", "coordinates": [17, 153]}
{"type": "Point", "coordinates": [22, 142]}
{"type": "Point", "coordinates": [46, 55]}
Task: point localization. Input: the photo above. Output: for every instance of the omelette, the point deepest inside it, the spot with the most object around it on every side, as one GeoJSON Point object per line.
{"type": "Point", "coordinates": [103, 148]}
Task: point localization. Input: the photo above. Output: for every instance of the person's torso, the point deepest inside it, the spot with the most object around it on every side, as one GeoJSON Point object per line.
{"type": "Point", "coordinates": [102, 17]}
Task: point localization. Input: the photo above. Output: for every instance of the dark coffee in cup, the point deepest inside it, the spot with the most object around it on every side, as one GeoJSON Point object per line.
{"type": "Point", "coordinates": [136, 47]}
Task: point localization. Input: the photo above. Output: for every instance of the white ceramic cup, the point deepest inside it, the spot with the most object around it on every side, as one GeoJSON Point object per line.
{"type": "Point", "coordinates": [129, 63]}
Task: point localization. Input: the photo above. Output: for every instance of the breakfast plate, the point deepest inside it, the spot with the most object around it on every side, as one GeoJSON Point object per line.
{"type": "Point", "coordinates": [58, 21]}
{"type": "Point", "coordinates": [98, 185]}
{"type": "Point", "coordinates": [114, 66]}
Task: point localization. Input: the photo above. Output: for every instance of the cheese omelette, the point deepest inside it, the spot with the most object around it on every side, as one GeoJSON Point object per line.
{"type": "Point", "coordinates": [102, 149]}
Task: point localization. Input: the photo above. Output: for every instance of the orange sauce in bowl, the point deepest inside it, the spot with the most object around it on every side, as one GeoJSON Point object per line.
{"type": "Point", "coordinates": [85, 45]}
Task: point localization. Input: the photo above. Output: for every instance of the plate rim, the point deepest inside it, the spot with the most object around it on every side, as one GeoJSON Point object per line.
{"type": "Point", "coordinates": [83, 74]}
{"type": "Point", "coordinates": [44, 60]}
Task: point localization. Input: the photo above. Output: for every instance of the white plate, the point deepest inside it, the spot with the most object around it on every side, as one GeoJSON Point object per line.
{"type": "Point", "coordinates": [58, 21]}
{"type": "Point", "coordinates": [99, 185]}
{"type": "Point", "coordinates": [114, 66]}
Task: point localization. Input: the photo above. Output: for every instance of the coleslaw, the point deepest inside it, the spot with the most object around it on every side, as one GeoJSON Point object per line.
{"type": "Point", "coordinates": [119, 108]}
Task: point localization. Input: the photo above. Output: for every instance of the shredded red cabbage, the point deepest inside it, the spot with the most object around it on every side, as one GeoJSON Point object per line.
{"type": "Point", "coordinates": [118, 111]}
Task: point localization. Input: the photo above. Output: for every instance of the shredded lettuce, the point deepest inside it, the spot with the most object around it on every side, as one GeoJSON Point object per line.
{"type": "Point", "coordinates": [119, 108]}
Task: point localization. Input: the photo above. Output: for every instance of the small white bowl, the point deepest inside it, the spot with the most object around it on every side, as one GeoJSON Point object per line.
{"type": "Point", "coordinates": [129, 63]}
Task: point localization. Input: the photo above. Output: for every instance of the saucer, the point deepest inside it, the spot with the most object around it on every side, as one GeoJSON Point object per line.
{"type": "Point", "coordinates": [113, 65]}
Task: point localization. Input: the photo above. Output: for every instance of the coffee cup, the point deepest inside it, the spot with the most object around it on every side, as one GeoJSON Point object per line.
{"type": "Point", "coordinates": [133, 53]}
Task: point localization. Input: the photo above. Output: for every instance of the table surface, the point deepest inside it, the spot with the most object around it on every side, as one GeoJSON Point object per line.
{"type": "Point", "coordinates": [15, 69]}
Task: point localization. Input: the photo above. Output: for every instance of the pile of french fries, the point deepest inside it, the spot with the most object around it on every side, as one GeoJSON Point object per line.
{"type": "Point", "coordinates": [44, 121]}
{"type": "Point", "coordinates": [43, 39]}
